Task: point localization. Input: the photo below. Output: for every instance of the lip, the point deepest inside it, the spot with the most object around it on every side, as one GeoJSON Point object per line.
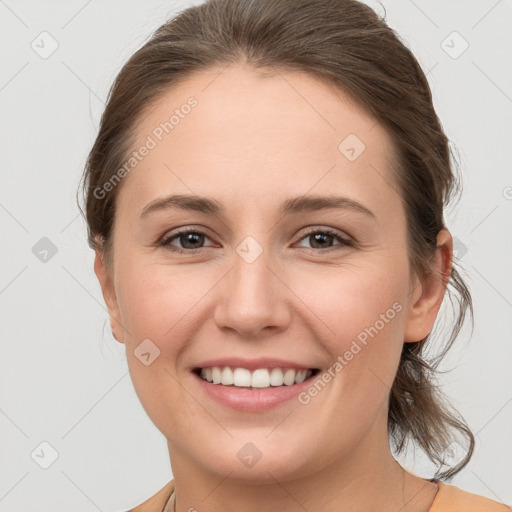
{"type": "Point", "coordinates": [252, 364]}
{"type": "Point", "coordinates": [252, 399]}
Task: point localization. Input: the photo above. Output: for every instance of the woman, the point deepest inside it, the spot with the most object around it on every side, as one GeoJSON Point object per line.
{"type": "Point", "coordinates": [265, 198]}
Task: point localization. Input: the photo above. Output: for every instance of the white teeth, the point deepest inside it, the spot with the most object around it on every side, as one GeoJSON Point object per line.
{"type": "Point", "coordinates": [276, 377]}
{"type": "Point", "coordinates": [226, 377]}
{"type": "Point", "coordinates": [241, 377]}
{"type": "Point", "coordinates": [289, 377]}
{"type": "Point", "coordinates": [216, 375]}
{"type": "Point", "coordinates": [260, 378]}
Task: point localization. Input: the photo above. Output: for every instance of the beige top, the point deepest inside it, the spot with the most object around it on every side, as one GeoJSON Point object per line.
{"type": "Point", "coordinates": [449, 498]}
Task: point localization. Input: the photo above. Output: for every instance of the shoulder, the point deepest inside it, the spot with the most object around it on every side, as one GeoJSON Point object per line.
{"type": "Point", "coordinates": [450, 498]}
{"type": "Point", "coordinates": [157, 502]}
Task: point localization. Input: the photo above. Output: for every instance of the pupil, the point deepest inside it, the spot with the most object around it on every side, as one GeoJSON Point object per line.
{"type": "Point", "coordinates": [191, 237]}
{"type": "Point", "coordinates": [194, 238]}
{"type": "Point", "coordinates": [318, 237]}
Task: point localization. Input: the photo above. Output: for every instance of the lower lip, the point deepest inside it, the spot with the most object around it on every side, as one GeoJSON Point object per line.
{"type": "Point", "coordinates": [252, 399]}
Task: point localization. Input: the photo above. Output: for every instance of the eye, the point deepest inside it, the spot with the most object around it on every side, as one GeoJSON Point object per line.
{"type": "Point", "coordinates": [189, 239]}
{"type": "Point", "coordinates": [322, 238]}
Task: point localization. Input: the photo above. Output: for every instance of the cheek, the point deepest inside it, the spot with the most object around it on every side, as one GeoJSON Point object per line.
{"type": "Point", "coordinates": [158, 301]}
{"type": "Point", "coordinates": [346, 303]}
{"type": "Point", "coordinates": [350, 299]}
{"type": "Point", "coordinates": [363, 311]}
{"type": "Point", "coordinates": [339, 309]}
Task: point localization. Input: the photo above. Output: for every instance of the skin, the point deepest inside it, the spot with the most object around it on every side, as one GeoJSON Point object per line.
{"type": "Point", "coordinates": [251, 143]}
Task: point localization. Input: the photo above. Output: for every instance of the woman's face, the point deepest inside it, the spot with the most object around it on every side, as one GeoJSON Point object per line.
{"type": "Point", "coordinates": [312, 284]}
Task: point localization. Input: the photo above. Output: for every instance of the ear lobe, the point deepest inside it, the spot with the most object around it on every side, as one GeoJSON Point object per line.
{"type": "Point", "coordinates": [109, 296]}
{"type": "Point", "coordinates": [430, 291]}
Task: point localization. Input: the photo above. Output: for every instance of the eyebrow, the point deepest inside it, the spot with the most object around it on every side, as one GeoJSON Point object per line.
{"type": "Point", "coordinates": [293, 205]}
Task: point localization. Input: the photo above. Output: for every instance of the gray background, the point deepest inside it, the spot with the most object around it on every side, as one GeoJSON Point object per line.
{"type": "Point", "coordinates": [64, 379]}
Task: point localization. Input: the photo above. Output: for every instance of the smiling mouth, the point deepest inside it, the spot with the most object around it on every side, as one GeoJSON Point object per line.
{"type": "Point", "coordinates": [262, 378]}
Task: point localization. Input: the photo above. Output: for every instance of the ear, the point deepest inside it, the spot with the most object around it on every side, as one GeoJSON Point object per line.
{"type": "Point", "coordinates": [109, 295]}
{"type": "Point", "coordinates": [428, 294]}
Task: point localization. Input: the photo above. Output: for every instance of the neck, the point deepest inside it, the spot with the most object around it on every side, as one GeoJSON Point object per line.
{"type": "Point", "coordinates": [367, 478]}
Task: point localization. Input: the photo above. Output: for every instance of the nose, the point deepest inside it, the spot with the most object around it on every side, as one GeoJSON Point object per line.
{"type": "Point", "coordinates": [253, 298]}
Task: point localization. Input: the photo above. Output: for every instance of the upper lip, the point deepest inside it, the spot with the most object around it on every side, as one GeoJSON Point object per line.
{"type": "Point", "coordinates": [252, 364]}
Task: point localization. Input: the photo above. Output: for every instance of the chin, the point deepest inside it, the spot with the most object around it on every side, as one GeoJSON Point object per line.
{"type": "Point", "coordinates": [260, 462]}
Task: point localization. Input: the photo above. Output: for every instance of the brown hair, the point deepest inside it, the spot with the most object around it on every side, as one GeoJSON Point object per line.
{"type": "Point", "coordinates": [346, 44]}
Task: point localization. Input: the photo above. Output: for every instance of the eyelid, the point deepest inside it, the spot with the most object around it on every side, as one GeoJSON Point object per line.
{"type": "Point", "coordinates": [175, 233]}
{"type": "Point", "coordinates": [345, 239]}
{"type": "Point", "coordinates": [325, 229]}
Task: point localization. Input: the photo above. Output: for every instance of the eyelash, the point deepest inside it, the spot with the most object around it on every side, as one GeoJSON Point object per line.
{"type": "Point", "coordinates": [165, 241]}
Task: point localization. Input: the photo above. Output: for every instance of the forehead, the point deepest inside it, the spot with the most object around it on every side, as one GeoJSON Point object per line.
{"type": "Point", "coordinates": [238, 132]}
